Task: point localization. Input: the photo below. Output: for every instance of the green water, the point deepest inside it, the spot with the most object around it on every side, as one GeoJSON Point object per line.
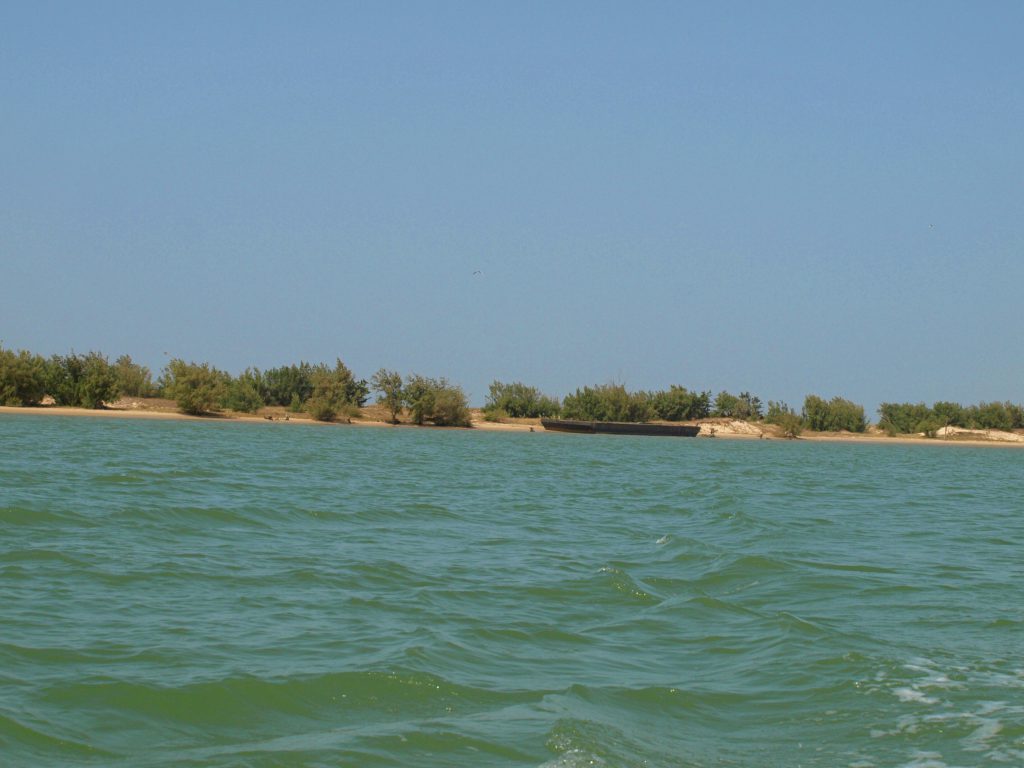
{"type": "Point", "coordinates": [205, 594]}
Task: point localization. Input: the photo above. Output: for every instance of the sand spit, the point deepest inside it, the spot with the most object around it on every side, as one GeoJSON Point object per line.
{"type": "Point", "coordinates": [375, 416]}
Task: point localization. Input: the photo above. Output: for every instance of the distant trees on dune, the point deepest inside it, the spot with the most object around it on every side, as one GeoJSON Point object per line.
{"type": "Point", "coordinates": [22, 378]}
{"type": "Point", "coordinates": [905, 418]}
{"type": "Point", "coordinates": [329, 392]}
{"type": "Point", "coordinates": [517, 400]}
{"type": "Point", "coordinates": [835, 415]}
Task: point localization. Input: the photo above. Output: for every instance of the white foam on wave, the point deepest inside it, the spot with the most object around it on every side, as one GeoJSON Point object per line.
{"type": "Point", "coordinates": [912, 694]}
{"type": "Point", "coordinates": [574, 758]}
{"type": "Point", "coordinates": [926, 760]}
{"type": "Point", "coordinates": [980, 738]}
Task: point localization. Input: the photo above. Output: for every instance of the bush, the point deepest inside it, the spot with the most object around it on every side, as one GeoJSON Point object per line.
{"type": "Point", "coordinates": [334, 390]}
{"type": "Point", "coordinates": [607, 402]}
{"type": "Point", "coordinates": [950, 414]}
{"type": "Point", "coordinates": [679, 404]}
{"type": "Point", "coordinates": [22, 378]}
{"type": "Point", "coordinates": [197, 389]}
{"type": "Point", "coordinates": [746, 406]}
{"type": "Point", "coordinates": [87, 381]}
{"type": "Point", "coordinates": [520, 401]}
{"type": "Point", "coordinates": [437, 401]}
{"type": "Point", "coordinates": [243, 393]}
{"type": "Point", "coordinates": [790, 424]}
{"type": "Point", "coordinates": [133, 380]}
{"type": "Point", "coordinates": [389, 384]}
{"type": "Point", "coordinates": [835, 415]}
{"type": "Point", "coordinates": [323, 408]}
{"type": "Point", "coordinates": [282, 386]}
{"type": "Point", "coordinates": [495, 415]}
{"type": "Point", "coordinates": [451, 409]}
{"type": "Point", "coordinates": [993, 416]}
{"type": "Point", "coordinates": [1016, 415]}
{"type": "Point", "coordinates": [777, 410]}
{"type": "Point", "coordinates": [905, 418]}
{"type": "Point", "coordinates": [725, 404]}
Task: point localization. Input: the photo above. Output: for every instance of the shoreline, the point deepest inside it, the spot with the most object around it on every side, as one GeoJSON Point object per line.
{"type": "Point", "coordinates": [722, 431]}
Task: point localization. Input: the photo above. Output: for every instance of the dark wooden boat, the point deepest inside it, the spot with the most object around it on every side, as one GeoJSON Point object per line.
{"type": "Point", "coordinates": [619, 428]}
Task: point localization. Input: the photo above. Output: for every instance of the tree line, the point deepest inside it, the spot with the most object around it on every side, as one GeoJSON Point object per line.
{"type": "Point", "coordinates": [329, 392]}
{"type": "Point", "coordinates": [325, 392]}
{"type": "Point", "coordinates": [906, 418]}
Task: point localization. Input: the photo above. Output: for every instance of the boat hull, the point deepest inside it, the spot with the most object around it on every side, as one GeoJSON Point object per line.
{"type": "Point", "coordinates": [619, 428]}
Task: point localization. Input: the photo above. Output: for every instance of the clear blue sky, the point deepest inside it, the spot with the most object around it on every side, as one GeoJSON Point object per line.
{"type": "Point", "coordinates": [786, 198]}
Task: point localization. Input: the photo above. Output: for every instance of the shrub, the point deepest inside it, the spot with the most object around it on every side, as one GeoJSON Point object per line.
{"type": "Point", "coordinates": [333, 390]}
{"type": "Point", "coordinates": [725, 404]}
{"type": "Point", "coordinates": [904, 418]}
{"type": "Point", "coordinates": [281, 386]}
{"type": "Point", "coordinates": [679, 404]}
{"type": "Point", "coordinates": [81, 380]}
{"type": "Point", "coordinates": [197, 389]}
{"type": "Point", "coordinates": [777, 410]}
{"type": "Point", "coordinates": [1016, 415]}
{"type": "Point", "coordinates": [322, 407]}
{"type": "Point", "coordinates": [745, 406]}
{"type": "Point", "coordinates": [994, 416]}
{"type": "Point", "coordinates": [62, 376]}
{"type": "Point", "coordinates": [419, 394]}
{"type": "Point", "coordinates": [520, 401]}
{"type": "Point", "coordinates": [437, 401]}
{"type": "Point", "coordinates": [950, 414]}
{"type": "Point", "coordinates": [495, 415]}
{"type": "Point", "coordinates": [133, 380]}
{"type": "Point", "coordinates": [607, 402]}
{"type": "Point", "coordinates": [790, 424]}
{"type": "Point", "coordinates": [749, 406]}
{"type": "Point", "coordinates": [835, 415]}
{"type": "Point", "coordinates": [389, 384]}
{"type": "Point", "coordinates": [243, 393]}
{"type": "Point", "coordinates": [22, 378]}
{"type": "Point", "coordinates": [451, 409]}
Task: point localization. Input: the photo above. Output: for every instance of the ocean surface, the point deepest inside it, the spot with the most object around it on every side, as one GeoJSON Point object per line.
{"type": "Point", "coordinates": [225, 594]}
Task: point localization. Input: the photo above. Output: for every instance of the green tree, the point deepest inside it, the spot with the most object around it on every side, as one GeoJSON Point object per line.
{"type": "Point", "coordinates": [679, 404]}
{"type": "Point", "coordinates": [905, 418]}
{"type": "Point", "coordinates": [608, 402]}
{"type": "Point", "coordinates": [835, 415]}
{"type": "Point", "coordinates": [88, 380]}
{"type": "Point", "coordinates": [133, 380]}
{"type": "Point", "coordinates": [22, 377]}
{"type": "Point", "coordinates": [994, 416]}
{"type": "Point", "coordinates": [745, 406]}
{"type": "Point", "coordinates": [451, 408]}
{"type": "Point", "coordinates": [243, 393]}
{"type": "Point", "coordinates": [777, 410]}
{"type": "Point", "coordinates": [436, 401]}
{"type": "Point", "coordinates": [419, 393]}
{"type": "Point", "coordinates": [1016, 415]}
{"type": "Point", "coordinates": [790, 424]}
{"type": "Point", "coordinates": [389, 385]}
{"type": "Point", "coordinates": [335, 390]}
{"type": "Point", "coordinates": [726, 405]}
{"type": "Point", "coordinates": [520, 401]}
{"type": "Point", "coordinates": [949, 414]}
{"type": "Point", "coordinates": [749, 406]}
{"type": "Point", "coordinates": [196, 388]}
{"type": "Point", "coordinates": [281, 386]}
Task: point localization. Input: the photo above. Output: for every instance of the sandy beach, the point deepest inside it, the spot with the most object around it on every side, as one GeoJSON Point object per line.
{"type": "Point", "coordinates": [375, 416]}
